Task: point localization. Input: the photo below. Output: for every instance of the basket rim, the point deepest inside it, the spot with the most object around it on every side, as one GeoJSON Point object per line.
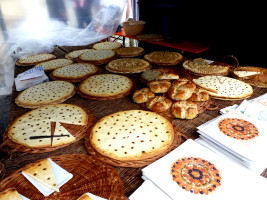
{"type": "Point", "coordinates": [22, 148]}
{"type": "Point", "coordinates": [84, 162]}
{"type": "Point", "coordinates": [135, 163]}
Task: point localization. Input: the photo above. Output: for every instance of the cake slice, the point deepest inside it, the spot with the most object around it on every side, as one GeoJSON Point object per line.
{"type": "Point", "coordinates": [43, 173]}
{"type": "Point", "coordinates": [60, 130]}
{"type": "Point", "coordinates": [10, 194]}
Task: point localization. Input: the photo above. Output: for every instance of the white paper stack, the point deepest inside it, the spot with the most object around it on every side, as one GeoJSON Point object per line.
{"type": "Point", "coordinates": [236, 182]}
{"type": "Point", "coordinates": [250, 152]}
{"type": "Point", "coordinates": [254, 108]}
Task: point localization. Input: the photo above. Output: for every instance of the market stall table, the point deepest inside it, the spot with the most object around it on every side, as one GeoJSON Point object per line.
{"type": "Point", "coordinates": [182, 45]}
{"type": "Point", "coordinates": [130, 176]}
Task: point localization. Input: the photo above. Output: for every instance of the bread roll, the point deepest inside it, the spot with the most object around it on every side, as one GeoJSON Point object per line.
{"type": "Point", "coordinates": [184, 110]}
{"type": "Point", "coordinates": [159, 86]}
{"type": "Point", "coordinates": [199, 95]}
{"type": "Point", "coordinates": [142, 95]}
{"type": "Point", "coordinates": [181, 89]}
{"type": "Point", "coordinates": [159, 104]}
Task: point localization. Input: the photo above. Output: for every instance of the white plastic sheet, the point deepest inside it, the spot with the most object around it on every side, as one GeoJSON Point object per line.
{"type": "Point", "coordinates": [38, 35]}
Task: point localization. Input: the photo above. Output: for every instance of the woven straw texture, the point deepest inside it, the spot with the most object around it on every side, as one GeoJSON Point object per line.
{"type": "Point", "coordinates": [89, 175]}
{"type": "Point", "coordinates": [131, 177]}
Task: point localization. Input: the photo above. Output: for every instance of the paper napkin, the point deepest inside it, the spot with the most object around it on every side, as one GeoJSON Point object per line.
{"type": "Point", "coordinates": [148, 191]}
{"type": "Point", "coordinates": [30, 78]}
{"type": "Point", "coordinates": [61, 176]}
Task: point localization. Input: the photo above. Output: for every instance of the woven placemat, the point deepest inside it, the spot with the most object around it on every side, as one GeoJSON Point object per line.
{"type": "Point", "coordinates": [89, 175]}
{"type": "Point", "coordinates": [136, 163]}
{"type": "Point", "coordinates": [77, 131]}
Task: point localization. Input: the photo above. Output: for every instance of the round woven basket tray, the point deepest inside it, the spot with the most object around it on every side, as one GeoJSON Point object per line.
{"type": "Point", "coordinates": [136, 163]}
{"type": "Point", "coordinates": [89, 175]}
{"type": "Point", "coordinates": [258, 80]}
{"type": "Point", "coordinates": [77, 131]}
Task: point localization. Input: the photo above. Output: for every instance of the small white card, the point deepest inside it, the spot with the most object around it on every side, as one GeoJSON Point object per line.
{"type": "Point", "coordinates": [61, 176]}
{"type": "Point", "coordinates": [30, 78]}
{"type": "Point", "coordinates": [31, 73]}
{"type": "Point", "coordinates": [249, 149]}
{"type": "Point", "coordinates": [256, 111]}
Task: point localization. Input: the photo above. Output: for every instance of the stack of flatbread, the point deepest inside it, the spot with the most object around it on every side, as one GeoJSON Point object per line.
{"type": "Point", "coordinates": [164, 58]}
{"type": "Point", "coordinates": [224, 88]}
{"type": "Point", "coordinates": [35, 59]}
{"type": "Point", "coordinates": [54, 64]}
{"type": "Point", "coordinates": [105, 87]}
{"type": "Point", "coordinates": [255, 76]}
{"type": "Point", "coordinates": [49, 126]}
{"type": "Point", "coordinates": [128, 65]}
{"type": "Point", "coordinates": [51, 92]}
{"type": "Point", "coordinates": [74, 73]}
{"type": "Point", "coordinates": [132, 135]}
{"type": "Point", "coordinates": [97, 57]}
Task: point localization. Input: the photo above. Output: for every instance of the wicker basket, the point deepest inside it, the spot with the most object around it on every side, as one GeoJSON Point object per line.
{"type": "Point", "coordinates": [133, 27]}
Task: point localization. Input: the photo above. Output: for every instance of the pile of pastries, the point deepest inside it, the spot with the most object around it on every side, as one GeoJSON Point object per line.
{"type": "Point", "coordinates": [177, 95]}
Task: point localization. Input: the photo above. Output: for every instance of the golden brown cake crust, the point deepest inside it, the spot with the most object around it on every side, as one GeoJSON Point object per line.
{"type": "Point", "coordinates": [132, 135]}
{"type": "Point", "coordinates": [106, 85]}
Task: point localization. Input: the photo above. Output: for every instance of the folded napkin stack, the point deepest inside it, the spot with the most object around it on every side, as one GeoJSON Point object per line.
{"type": "Point", "coordinates": [192, 171]}
{"type": "Point", "coordinates": [239, 133]}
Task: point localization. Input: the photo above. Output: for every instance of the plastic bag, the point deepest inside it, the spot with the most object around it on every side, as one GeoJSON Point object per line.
{"type": "Point", "coordinates": [40, 35]}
